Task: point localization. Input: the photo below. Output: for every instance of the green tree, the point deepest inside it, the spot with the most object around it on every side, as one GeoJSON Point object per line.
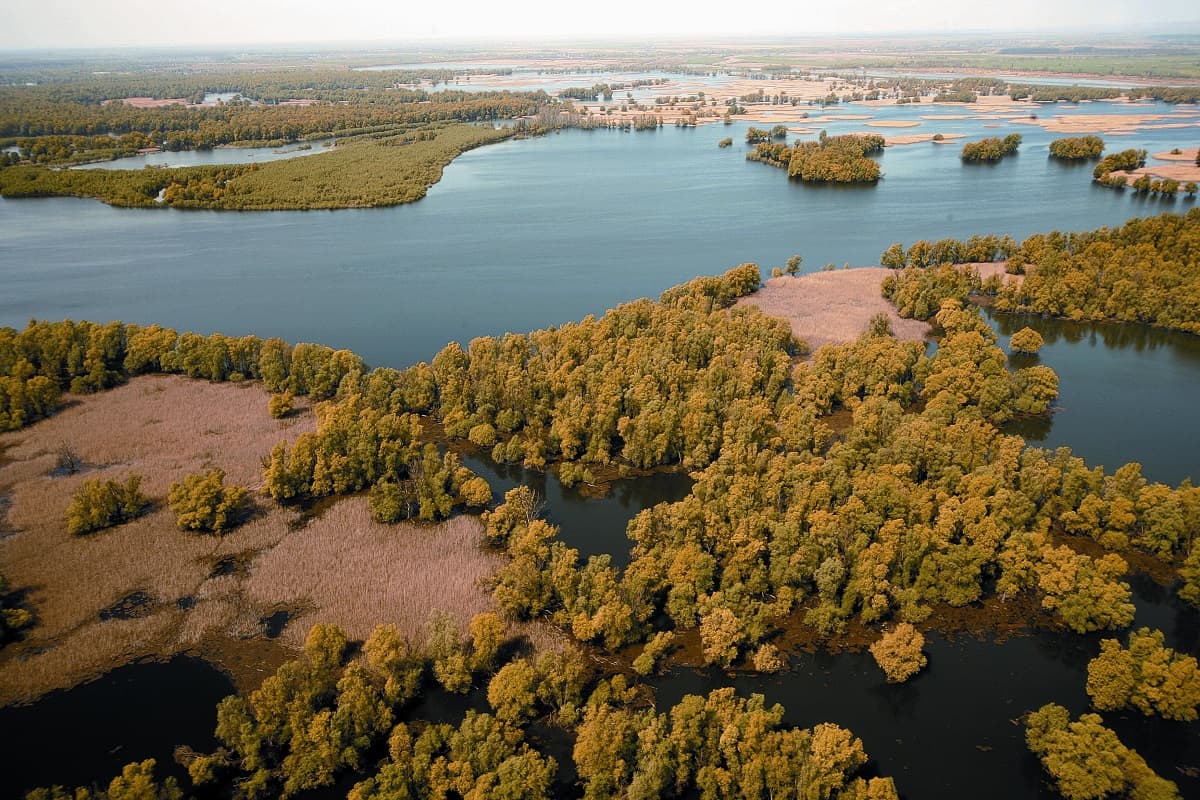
{"type": "Point", "coordinates": [1087, 761]}
{"type": "Point", "coordinates": [102, 504]}
{"type": "Point", "coordinates": [512, 692]}
{"type": "Point", "coordinates": [280, 405]}
{"type": "Point", "coordinates": [1026, 340]}
{"type": "Point", "coordinates": [1147, 675]}
{"type": "Point", "coordinates": [202, 502]}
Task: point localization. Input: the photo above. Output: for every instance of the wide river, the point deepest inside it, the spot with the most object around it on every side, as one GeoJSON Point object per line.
{"type": "Point", "coordinates": [531, 233]}
{"type": "Point", "coordinates": [537, 232]}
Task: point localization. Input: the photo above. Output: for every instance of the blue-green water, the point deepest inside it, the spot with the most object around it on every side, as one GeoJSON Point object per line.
{"type": "Point", "coordinates": [217, 155]}
{"type": "Point", "coordinates": [537, 232]}
{"type": "Point", "coordinates": [528, 233]}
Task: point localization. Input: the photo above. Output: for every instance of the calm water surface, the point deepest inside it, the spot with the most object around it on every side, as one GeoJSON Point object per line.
{"type": "Point", "coordinates": [89, 733]}
{"type": "Point", "coordinates": [528, 233]}
{"type": "Point", "coordinates": [217, 155]}
{"type": "Point", "coordinates": [954, 730]}
{"type": "Point", "coordinates": [1126, 393]}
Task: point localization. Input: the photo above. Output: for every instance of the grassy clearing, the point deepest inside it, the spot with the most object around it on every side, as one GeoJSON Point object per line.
{"type": "Point", "coordinates": [159, 427]}
{"type": "Point", "coordinates": [357, 573]}
{"type": "Point", "coordinates": [832, 307]}
{"type": "Point", "coordinates": [360, 174]}
{"type": "Point", "coordinates": [198, 591]}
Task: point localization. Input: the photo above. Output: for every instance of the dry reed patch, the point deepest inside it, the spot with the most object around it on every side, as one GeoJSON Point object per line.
{"type": "Point", "coordinates": [85, 654]}
{"type": "Point", "coordinates": [162, 428]}
{"type": "Point", "coordinates": [1180, 172]}
{"type": "Point", "coordinates": [987, 269]}
{"type": "Point", "coordinates": [916, 138]}
{"type": "Point", "coordinates": [1185, 154]}
{"type": "Point", "coordinates": [893, 123]}
{"type": "Point", "coordinates": [357, 573]}
{"type": "Point", "coordinates": [833, 307]}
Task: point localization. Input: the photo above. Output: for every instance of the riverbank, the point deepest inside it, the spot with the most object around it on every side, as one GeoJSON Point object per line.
{"type": "Point", "coordinates": [368, 174]}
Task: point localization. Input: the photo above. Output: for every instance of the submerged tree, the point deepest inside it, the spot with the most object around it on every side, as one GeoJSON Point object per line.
{"type": "Point", "coordinates": [1146, 675]}
{"type": "Point", "coordinates": [899, 652]}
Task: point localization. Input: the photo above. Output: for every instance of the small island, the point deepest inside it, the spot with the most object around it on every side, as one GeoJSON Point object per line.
{"type": "Point", "coordinates": [1077, 148]}
{"type": "Point", "coordinates": [830, 159]}
{"type": "Point", "coordinates": [991, 149]}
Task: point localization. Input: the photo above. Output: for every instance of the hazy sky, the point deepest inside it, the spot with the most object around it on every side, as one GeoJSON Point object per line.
{"type": "Point", "coordinates": [74, 23]}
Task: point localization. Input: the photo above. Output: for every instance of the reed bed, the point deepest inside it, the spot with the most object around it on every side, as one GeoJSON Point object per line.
{"type": "Point", "coordinates": [159, 427]}
{"type": "Point", "coordinates": [357, 573]}
{"type": "Point", "coordinates": [181, 590]}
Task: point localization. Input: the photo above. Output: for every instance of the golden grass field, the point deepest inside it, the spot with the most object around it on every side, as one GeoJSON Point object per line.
{"type": "Point", "coordinates": [833, 307]}
{"type": "Point", "coordinates": [198, 591]}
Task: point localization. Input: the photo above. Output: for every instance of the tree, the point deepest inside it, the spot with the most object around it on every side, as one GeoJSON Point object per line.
{"type": "Point", "coordinates": [793, 265]}
{"type": "Point", "coordinates": [767, 658]}
{"type": "Point", "coordinates": [899, 652]}
{"type": "Point", "coordinates": [894, 257]}
{"type": "Point", "coordinates": [202, 502]}
{"type": "Point", "coordinates": [102, 504]}
{"type": "Point", "coordinates": [445, 647]}
{"type": "Point", "coordinates": [476, 492]}
{"type": "Point", "coordinates": [1087, 761]}
{"type": "Point", "coordinates": [12, 616]}
{"type": "Point", "coordinates": [136, 782]}
{"type": "Point", "coordinates": [1147, 675]}
{"type": "Point", "coordinates": [721, 633]}
{"type": "Point", "coordinates": [280, 405]}
{"type": "Point", "coordinates": [1026, 340]}
{"type": "Point", "coordinates": [648, 660]}
{"type": "Point", "coordinates": [512, 692]}
{"type": "Point", "coordinates": [1084, 591]}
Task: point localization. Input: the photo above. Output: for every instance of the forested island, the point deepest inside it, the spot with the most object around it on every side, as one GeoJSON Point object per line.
{"type": "Point", "coordinates": [991, 149]}
{"type": "Point", "coordinates": [830, 159]}
{"type": "Point", "coordinates": [1077, 148]}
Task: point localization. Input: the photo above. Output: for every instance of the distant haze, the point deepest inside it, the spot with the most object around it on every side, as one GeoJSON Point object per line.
{"type": "Point", "coordinates": [103, 23]}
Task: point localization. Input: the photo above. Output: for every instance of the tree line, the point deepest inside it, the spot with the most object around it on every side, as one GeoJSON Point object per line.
{"type": "Point", "coordinates": [327, 712]}
{"type": "Point", "coordinates": [54, 131]}
{"type": "Point", "coordinates": [378, 169]}
{"type": "Point", "coordinates": [1146, 270]}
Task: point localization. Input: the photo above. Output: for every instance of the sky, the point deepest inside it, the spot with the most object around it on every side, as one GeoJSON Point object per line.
{"type": "Point", "coordinates": [105, 23]}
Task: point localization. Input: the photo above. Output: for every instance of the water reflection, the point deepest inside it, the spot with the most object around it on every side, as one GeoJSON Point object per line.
{"type": "Point", "coordinates": [1126, 393]}
{"type": "Point", "coordinates": [592, 525]}
{"type": "Point", "coordinates": [955, 729]}
{"type": "Point", "coordinates": [89, 733]}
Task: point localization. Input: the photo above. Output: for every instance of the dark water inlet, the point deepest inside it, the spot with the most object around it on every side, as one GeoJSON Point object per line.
{"type": "Point", "coordinates": [88, 733]}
